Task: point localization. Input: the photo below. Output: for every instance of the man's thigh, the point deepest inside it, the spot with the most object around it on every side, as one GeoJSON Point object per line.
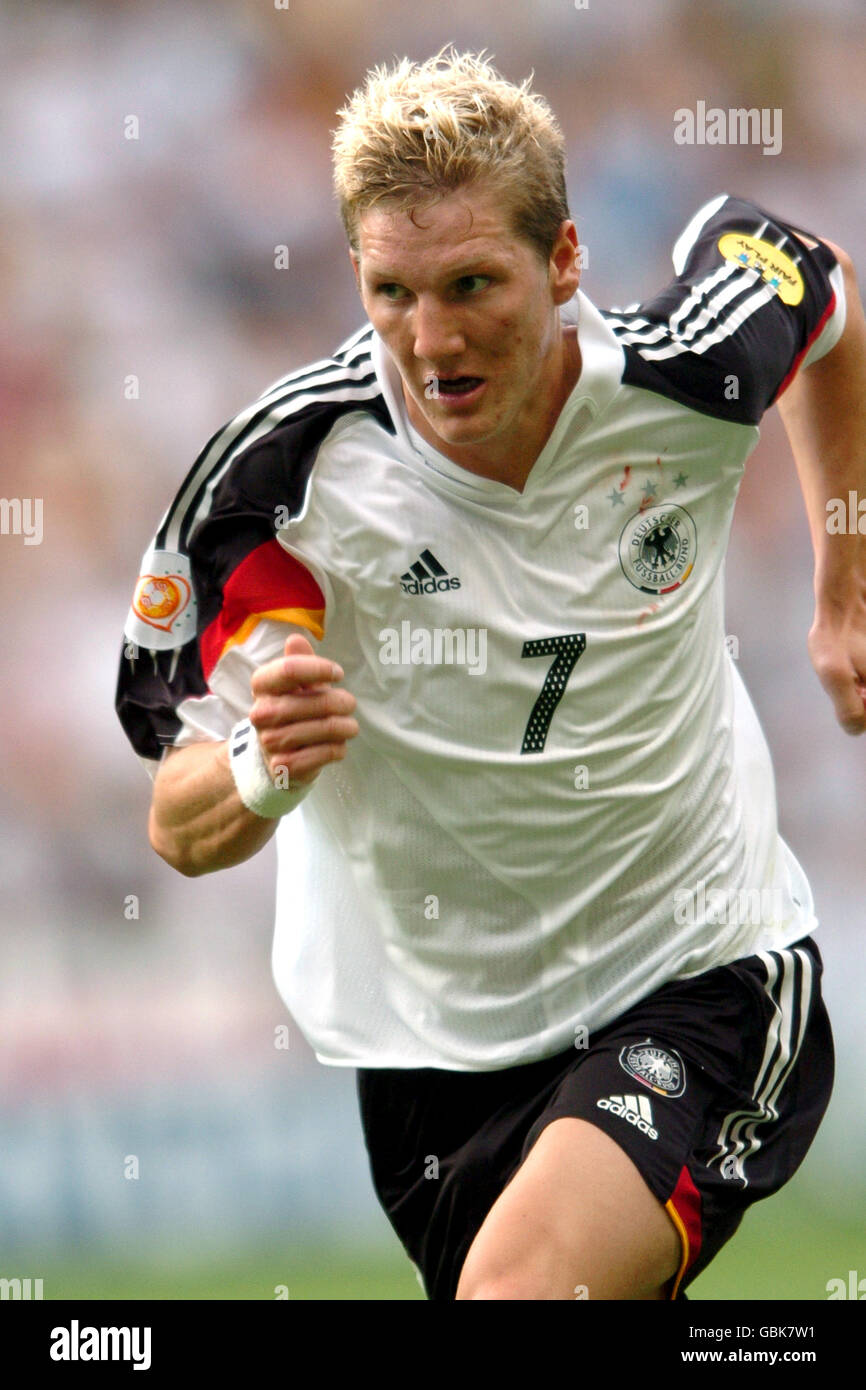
{"type": "Point", "coordinates": [576, 1221]}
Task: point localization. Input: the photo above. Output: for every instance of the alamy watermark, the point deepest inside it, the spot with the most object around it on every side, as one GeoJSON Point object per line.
{"type": "Point", "coordinates": [736, 126]}
{"type": "Point", "coordinates": [22, 516]}
{"type": "Point", "coordinates": [847, 520]}
{"type": "Point", "coordinates": [77, 1343]}
{"type": "Point", "coordinates": [851, 1288]}
{"type": "Point", "coordinates": [20, 1289]}
{"type": "Point", "coordinates": [437, 646]}
{"type": "Point", "coordinates": [728, 906]}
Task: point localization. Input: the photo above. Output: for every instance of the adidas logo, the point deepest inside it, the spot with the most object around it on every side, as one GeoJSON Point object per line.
{"type": "Point", "coordinates": [427, 576]}
{"type": "Point", "coordinates": [636, 1109]}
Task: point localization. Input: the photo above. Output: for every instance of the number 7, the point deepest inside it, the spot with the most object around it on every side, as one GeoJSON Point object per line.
{"type": "Point", "coordinates": [565, 651]}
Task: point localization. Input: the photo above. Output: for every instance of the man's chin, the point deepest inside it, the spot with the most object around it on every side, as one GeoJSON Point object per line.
{"type": "Point", "coordinates": [469, 426]}
{"type": "Point", "coordinates": [458, 433]}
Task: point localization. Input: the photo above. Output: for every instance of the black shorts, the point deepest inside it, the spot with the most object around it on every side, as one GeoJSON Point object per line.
{"type": "Point", "coordinates": [714, 1086]}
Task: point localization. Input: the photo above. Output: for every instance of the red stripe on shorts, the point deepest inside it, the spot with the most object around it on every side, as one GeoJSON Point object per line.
{"type": "Point", "coordinates": [684, 1208]}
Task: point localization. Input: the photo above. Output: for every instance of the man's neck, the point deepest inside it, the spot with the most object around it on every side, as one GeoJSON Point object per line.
{"type": "Point", "coordinates": [512, 463]}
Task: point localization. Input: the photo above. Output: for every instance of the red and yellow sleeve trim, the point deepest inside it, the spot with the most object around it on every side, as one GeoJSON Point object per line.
{"type": "Point", "coordinates": [268, 583]}
{"type": "Point", "coordinates": [310, 618]}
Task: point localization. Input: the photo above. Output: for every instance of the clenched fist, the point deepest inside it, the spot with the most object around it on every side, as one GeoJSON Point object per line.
{"type": "Point", "coordinates": [302, 718]}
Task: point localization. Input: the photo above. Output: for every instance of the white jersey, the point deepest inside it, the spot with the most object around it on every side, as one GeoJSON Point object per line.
{"type": "Point", "coordinates": [560, 798]}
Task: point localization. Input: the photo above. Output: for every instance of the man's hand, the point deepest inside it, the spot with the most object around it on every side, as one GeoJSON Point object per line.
{"type": "Point", "coordinates": [302, 719]}
{"type": "Point", "coordinates": [837, 646]}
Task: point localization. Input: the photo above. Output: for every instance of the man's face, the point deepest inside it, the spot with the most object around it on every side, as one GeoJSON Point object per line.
{"type": "Point", "coordinates": [468, 311]}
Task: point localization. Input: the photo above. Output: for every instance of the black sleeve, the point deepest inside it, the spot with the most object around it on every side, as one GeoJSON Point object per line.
{"type": "Point", "coordinates": [202, 576]}
{"type": "Point", "coordinates": [728, 333]}
{"type": "Point", "coordinates": [215, 562]}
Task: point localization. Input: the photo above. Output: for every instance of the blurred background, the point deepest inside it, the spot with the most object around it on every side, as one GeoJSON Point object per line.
{"type": "Point", "coordinates": [154, 1139]}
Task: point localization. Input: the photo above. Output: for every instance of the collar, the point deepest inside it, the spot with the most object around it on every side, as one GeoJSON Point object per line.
{"type": "Point", "coordinates": [602, 362]}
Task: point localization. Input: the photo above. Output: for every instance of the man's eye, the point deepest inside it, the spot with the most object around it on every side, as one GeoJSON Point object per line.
{"type": "Point", "coordinates": [391, 291]}
{"type": "Point", "coordinates": [469, 284]}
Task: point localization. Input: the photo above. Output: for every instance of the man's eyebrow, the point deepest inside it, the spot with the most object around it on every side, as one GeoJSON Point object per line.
{"type": "Point", "coordinates": [473, 265]}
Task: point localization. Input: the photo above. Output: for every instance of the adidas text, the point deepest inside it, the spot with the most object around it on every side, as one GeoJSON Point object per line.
{"type": "Point", "coordinates": [428, 586]}
{"type": "Point", "coordinates": [636, 1109]}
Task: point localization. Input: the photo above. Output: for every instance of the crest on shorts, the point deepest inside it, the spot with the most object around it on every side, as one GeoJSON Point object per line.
{"type": "Point", "coordinates": [657, 548]}
{"type": "Point", "coordinates": [657, 1067]}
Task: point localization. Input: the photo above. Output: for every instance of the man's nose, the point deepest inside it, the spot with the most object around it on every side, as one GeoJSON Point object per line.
{"type": "Point", "coordinates": [437, 331]}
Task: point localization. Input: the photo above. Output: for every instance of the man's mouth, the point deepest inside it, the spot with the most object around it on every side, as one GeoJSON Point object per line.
{"type": "Point", "coordinates": [452, 386]}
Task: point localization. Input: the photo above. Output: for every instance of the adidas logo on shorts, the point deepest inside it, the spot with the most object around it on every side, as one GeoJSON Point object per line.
{"type": "Point", "coordinates": [636, 1109]}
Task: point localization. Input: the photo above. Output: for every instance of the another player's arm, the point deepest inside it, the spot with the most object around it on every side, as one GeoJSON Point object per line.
{"type": "Point", "coordinates": [198, 822]}
{"type": "Point", "coordinates": [824, 413]}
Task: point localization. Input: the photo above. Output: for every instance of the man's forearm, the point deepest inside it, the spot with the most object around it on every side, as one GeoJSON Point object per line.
{"type": "Point", "coordinates": [824, 413]}
{"type": "Point", "coordinates": [198, 822]}
{"type": "Point", "coordinates": [303, 721]}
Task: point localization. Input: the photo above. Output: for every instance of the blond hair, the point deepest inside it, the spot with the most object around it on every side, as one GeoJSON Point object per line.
{"type": "Point", "coordinates": [419, 130]}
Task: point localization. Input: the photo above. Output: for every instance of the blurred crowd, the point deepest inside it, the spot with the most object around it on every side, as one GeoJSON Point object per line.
{"type": "Point", "coordinates": [154, 156]}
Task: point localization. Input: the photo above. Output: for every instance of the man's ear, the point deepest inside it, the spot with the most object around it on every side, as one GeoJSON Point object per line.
{"type": "Point", "coordinates": [565, 264]}
{"type": "Point", "coordinates": [356, 266]}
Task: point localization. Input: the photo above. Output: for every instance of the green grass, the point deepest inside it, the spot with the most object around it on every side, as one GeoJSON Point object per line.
{"type": "Point", "coordinates": [785, 1249]}
{"type": "Point", "coordinates": [309, 1274]}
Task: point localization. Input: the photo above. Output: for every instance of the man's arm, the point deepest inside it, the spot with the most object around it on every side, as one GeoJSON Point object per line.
{"type": "Point", "coordinates": [198, 822]}
{"type": "Point", "coordinates": [824, 413]}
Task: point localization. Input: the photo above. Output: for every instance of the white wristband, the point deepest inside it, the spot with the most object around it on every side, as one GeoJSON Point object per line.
{"type": "Point", "coordinates": [256, 789]}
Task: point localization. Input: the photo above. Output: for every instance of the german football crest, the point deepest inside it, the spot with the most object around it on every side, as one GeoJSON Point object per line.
{"type": "Point", "coordinates": [660, 1068]}
{"type": "Point", "coordinates": [657, 548]}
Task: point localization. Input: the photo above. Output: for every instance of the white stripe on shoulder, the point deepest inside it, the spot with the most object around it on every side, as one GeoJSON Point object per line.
{"type": "Point", "coordinates": [616, 319]}
{"type": "Point", "coordinates": [639, 331]}
{"type": "Point", "coordinates": [354, 357]}
{"type": "Point", "coordinates": [660, 341]}
{"type": "Point", "coordinates": [687, 238]}
{"type": "Point", "coordinates": [711, 337]}
{"type": "Point", "coordinates": [276, 417]}
{"type": "Point", "coordinates": [225, 447]}
{"type": "Point", "coordinates": [366, 332]}
{"type": "Point", "coordinates": [715, 291]}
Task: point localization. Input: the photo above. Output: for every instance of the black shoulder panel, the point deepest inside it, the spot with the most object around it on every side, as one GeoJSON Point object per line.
{"type": "Point", "coordinates": [748, 300]}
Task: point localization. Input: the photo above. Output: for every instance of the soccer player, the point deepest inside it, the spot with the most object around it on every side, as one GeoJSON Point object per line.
{"type": "Point", "coordinates": [446, 613]}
